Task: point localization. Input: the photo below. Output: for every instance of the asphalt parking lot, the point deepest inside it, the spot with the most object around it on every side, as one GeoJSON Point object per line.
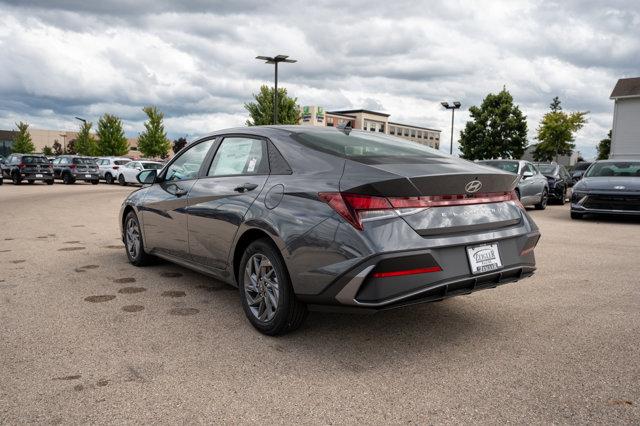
{"type": "Point", "coordinates": [86, 337]}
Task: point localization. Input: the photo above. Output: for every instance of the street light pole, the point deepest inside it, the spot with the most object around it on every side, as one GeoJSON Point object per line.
{"type": "Point", "coordinates": [64, 142]}
{"type": "Point", "coordinates": [81, 119]}
{"type": "Point", "coordinates": [453, 109]}
{"type": "Point", "coordinates": [275, 60]}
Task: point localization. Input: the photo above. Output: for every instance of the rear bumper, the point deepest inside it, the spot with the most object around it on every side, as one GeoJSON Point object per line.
{"type": "Point", "coordinates": [359, 289]}
{"type": "Point", "coordinates": [85, 176]}
{"type": "Point", "coordinates": [36, 176]}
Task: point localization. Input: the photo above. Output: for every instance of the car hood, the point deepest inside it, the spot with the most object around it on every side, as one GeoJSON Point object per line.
{"type": "Point", "coordinates": [609, 184]}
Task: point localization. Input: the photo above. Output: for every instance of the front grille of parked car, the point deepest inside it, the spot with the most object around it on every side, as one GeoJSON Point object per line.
{"type": "Point", "coordinates": [613, 202]}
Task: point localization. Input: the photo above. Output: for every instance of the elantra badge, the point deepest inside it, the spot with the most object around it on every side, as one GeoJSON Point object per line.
{"type": "Point", "coordinates": [619, 187]}
{"type": "Point", "coordinates": [473, 186]}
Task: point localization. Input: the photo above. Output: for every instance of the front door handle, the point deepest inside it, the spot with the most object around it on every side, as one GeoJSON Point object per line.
{"type": "Point", "coordinates": [245, 187]}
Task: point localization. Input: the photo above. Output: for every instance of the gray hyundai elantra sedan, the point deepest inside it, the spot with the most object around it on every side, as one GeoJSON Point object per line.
{"type": "Point", "coordinates": [317, 218]}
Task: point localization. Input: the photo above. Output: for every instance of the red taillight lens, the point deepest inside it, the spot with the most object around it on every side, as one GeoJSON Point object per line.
{"type": "Point", "coordinates": [407, 272]}
{"type": "Point", "coordinates": [449, 200]}
{"type": "Point", "coordinates": [354, 207]}
{"type": "Point", "coordinates": [72, 166]}
{"type": "Point", "coordinates": [115, 167]}
{"type": "Point", "coordinates": [21, 166]}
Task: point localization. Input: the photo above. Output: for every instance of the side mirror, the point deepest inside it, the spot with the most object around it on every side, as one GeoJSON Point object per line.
{"type": "Point", "coordinates": [147, 177]}
{"type": "Point", "coordinates": [527, 175]}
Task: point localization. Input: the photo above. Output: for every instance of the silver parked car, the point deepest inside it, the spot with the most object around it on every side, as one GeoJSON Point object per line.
{"type": "Point", "coordinates": [108, 167]}
{"type": "Point", "coordinates": [533, 188]}
{"type": "Point", "coordinates": [129, 172]}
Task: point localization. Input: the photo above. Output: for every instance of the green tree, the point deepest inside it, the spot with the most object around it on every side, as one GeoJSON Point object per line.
{"type": "Point", "coordinates": [153, 141]}
{"type": "Point", "coordinates": [556, 132]}
{"type": "Point", "coordinates": [497, 129]}
{"type": "Point", "coordinates": [22, 143]}
{"type": "Point", "coordinates": [111, 139]}
{"type": "Point", "coordinates": [604, 147]}
{"type": "Point", "coordinates": [261, 111]}
{"type": "Point", "coordinates": [57, 148]}
{"type": "Point", "coordinates": [85, 142]}
{"type": "Point", "coordinates": [178, 144]}
{"type": "Point", "coordinates": [46, 150]}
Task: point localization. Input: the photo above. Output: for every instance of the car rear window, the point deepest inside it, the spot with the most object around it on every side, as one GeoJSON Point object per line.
{"type": "Point", "coordinates": [615, 169]}
{"type": "Point", "coordinates": [547, 168]}
{"type": "Point", "coordinates": [152, 166]}
{"type": "Point", "coordinates": [34, 160]}
{"type": "Point", "coordinates": [368, 147]}
{"type": "Point", "coordinates": [83, 161]}
{"type": "Point", "coordinates": [507, 166]}
{"type": "Point", "coordinates": [121, 162]}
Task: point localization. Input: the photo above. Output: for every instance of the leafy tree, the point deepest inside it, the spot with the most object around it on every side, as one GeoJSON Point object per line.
{"type": "Point", "coordinates": [46, 150]}
{"type": "Point", "coordinates": [71, 147]}
{"type": "Point", "coordinates": [497, 129]}
{"type": "Point", "coordinates": [178, 144]}
{"type": "Point", "coordinates": [261, 111]}
{"type": "Point", "coordinates": [556, 132]}
{"type": "Point", "coordinates": [22, 143]}
{"type": "Point", "coordinates": [604, 147]}
{"type": "Point", "coordinates": [111, 137]}
{"type": "Point", "coordinates": [153, 141]}
{"type": "Point", "coordinates": [57, 148]}
{"type": "Point", "coordinates": [85, 143]}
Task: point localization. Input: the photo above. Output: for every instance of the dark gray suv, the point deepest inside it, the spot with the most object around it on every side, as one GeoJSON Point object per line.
{"type": "Point", "coordinates": [304, 218]}
{"type": "Point", "coordinates": [70, 168]}
{"type": "Point", "coordinates": [27, 167]}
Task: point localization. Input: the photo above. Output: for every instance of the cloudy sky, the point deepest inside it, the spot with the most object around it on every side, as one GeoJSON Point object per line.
{"type": "Point", "coordinates": [195, 59]}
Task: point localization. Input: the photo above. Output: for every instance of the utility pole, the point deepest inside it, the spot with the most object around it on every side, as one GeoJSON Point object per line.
{"type": "Point", "coordinates": [453, 109]}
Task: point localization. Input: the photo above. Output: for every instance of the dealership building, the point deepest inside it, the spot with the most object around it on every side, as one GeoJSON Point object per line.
{"type": "Point", "coordinates": [370, 121]}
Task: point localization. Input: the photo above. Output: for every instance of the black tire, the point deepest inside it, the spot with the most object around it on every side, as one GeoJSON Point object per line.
{"type": "Point", "coordinates": [67, 179]}
{"type": "Point", "coordinates": [49, 182]}
{"type": "Point", "coordinates": [95, 182]}
{"type": "Point", "coordinates": [31, 181]}
{"type": "Point", "coordinates": [108, 178]}
{"type": "Point", "coordinates": [290, 313]}
{"type": "Point", "coordinates": [137, 257]}
{"type": "Point", "coordinates": [121, 180]}
{"type": "Point", "coordinates": [543, 202]}
{"type": "Point", "coordinates": [575, 215]}
{"type": "Point", "coordinates": [15, 178]}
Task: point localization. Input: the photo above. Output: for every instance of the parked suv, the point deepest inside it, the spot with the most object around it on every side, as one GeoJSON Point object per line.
{"type": "Point", "coordinates": [29, 167]}
{"type": "Point", "coordinates": [559, 181]}
{"type": "Point", "coordinates": [70, 168]}
{"type": "Point", "coordinates": [108, 167]}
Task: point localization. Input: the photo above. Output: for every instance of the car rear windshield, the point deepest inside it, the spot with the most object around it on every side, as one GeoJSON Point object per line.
{"type": "Point", "coordinates": [616, 169]}
{"type": "Point", "coordinates": [121, 162]}
{"type": "Point", "coordinates": [547, 169]}
{"type": "Point", "coordinates": [507, 166]}
{"type": "Point", "coordinates": [368, 148]}
{"type": "Point", "coordinates": [583, 165]}
{"type": "Point", "coordinates": [152, 166]}
{"type": "Point", "coordinates": [34, 160]}
{"type": "Point", "coordinates": [84, 161]}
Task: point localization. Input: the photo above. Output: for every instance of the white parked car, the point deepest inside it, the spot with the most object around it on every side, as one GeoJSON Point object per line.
{"type": "Point", "coordinates": [108, 167]}
{"type": "Point", "coordinates": [129, 172]}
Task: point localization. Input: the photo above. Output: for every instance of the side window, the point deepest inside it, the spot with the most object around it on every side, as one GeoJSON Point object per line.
{"type": "Point", "coordinates": [187, 165]}
{"type": "Point", "coordinates": [527, 168]}
{"type": "Point", "coordinates": [240, 156]}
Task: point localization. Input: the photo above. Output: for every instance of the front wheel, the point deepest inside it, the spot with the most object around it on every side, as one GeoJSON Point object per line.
{"type": "Point", "coordinates": [543, 200]}
{"type": "Point", "coordinates": [266, 293]}
{"type": "Point", "coordinates": [121, 180]}
{"type": "Point", "coordinates": [133, 242]}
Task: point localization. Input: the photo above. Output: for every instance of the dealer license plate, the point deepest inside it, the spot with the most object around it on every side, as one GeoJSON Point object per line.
{"type": "Point", "coordinates": [484, 258]}
{"type": "Point", "coordinates": [38, 175]}
{"type": "Point", "coordinates": [87, 176]}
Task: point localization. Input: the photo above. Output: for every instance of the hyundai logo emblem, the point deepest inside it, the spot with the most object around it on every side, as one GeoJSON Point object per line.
{"type": "Point", "coordinates": [473, 186]}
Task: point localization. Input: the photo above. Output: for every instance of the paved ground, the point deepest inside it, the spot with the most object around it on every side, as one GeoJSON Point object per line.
{"type": "Point", "coordinates": [561, 347]}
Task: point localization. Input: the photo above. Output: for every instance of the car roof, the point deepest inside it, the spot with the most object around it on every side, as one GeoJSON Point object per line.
{"type": "Point", "coordinates": [272, 130]}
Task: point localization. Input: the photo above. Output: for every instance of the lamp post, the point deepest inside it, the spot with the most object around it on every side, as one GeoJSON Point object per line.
{"type": "Point", "coordinates": [275, 61]}
{"type": "Point", "coordinates": [453, 109]}
{"type": "Point", "coordinates": [64, 142]}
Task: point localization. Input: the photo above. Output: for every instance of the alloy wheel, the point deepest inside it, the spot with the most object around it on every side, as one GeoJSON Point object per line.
{"type": "Point", "coordinates": [261, 287]}
{"type": "Point", "coordinates": [133, 237]}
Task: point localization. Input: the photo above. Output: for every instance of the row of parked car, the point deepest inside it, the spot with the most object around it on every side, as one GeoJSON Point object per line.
{"type": "Point", "coordinates": [72, 168]}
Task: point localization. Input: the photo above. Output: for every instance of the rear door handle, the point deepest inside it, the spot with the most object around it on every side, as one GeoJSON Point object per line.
{"type": "Point", "coordinates": [245, 187]}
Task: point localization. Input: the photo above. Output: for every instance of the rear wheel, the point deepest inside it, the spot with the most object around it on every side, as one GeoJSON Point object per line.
{"type": "Point", "coordinates": [266, 293]}
{"type": "Point", "coordinates": [108, 178]}
{"type": "Point", "coordinates": [134, 245]}
{"type": "Point", "coordinates": [543, 200]}
{"type": "Point", "coordinates": [16, 179]}
{"type": "Point", "coordinates": [31, 181]}
{"type": "Point", "coordinates": [95, 182]}
{"type": "Point", "coordinates": [121, 180]}
{"type": "Point", "coordinates": [49, 182]}
{"type": "Point", "coordinates": [67, 179]}
{"type": "Point", "coordinates": [575, 215]}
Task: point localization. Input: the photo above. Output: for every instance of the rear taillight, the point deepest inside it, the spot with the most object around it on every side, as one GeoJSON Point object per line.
{"type": "Point", "coordinates": [72, 166]}
{"type": "Point", "coordinates": [22, 166]}
{"type": "Point", "coordinates": [115, 167]}
{"type": "Point", "coordinates": [356, 208]}
{"type": "Point", "coordinates": [407, 272]}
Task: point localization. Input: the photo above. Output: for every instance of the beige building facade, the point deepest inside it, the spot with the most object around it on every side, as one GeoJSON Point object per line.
{"type": "Point", "coordinates": [371, 121]}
